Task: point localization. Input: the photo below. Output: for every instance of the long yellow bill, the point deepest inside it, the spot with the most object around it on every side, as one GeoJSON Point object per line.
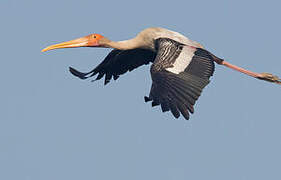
{"type": "Point", "coordinates": [80, 42]}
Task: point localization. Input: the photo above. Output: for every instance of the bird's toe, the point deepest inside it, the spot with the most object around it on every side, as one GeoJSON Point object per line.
{"type": "Point", "coordinates": [270, 77]}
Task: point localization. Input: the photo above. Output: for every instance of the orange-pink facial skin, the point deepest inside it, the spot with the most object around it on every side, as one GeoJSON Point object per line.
{"type": "Point", "coordinates": [93, 40]}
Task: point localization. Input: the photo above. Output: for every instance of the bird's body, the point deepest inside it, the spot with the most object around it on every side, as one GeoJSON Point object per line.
{"type": "Point", "coordinates": [149, 35]}
{"type": "Point", "coordinates": [181, 67]}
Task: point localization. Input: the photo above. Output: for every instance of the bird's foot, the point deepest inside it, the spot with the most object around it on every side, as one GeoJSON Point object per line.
{"type": "Point", "coordinates": [270, 78]}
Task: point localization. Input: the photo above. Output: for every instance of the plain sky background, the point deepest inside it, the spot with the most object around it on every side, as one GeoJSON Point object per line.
{"type": "Point", "coordinates": [54, 126]}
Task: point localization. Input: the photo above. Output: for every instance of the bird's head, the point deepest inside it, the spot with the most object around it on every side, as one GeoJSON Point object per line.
{"type": "Point", "coordinates": [92, 40]}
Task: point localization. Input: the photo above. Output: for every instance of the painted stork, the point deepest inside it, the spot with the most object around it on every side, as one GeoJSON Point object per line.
{"type": "Point", "coordinates": [181, 67]}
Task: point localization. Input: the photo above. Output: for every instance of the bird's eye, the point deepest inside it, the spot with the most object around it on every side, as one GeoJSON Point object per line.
{"type": "Point", "coordinates": [95, 36]}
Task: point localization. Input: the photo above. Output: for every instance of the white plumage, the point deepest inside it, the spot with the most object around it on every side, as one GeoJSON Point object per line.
{"type": "Point", "coordinates": [183, 60]}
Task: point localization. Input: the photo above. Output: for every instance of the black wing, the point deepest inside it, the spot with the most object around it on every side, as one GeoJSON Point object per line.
{"type": "Point", "coordinates": [118, 62]}
{"type": "Point", "coordinates": [179, 74]}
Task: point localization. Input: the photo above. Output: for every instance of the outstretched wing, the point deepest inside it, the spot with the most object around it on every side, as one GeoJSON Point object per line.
{"type": "Point", "coordinates": [118, 62]}
{"type": "Point", "coordinates": [179, 74]}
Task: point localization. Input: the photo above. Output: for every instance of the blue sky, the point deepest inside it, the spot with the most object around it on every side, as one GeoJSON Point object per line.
{"type": "Point", "coordinates": [55, 126]}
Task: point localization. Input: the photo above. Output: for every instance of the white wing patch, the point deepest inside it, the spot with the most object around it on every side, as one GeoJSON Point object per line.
{"type": "Point", "coordinates": [183, 60]}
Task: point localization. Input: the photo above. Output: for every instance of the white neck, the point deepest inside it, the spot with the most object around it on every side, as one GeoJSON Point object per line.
{"type": "Point", "coordinates": [126, 44]}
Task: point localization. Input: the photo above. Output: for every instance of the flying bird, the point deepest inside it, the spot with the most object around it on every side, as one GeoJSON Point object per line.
{"type": "Point", "coordinates": [180, 68]}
